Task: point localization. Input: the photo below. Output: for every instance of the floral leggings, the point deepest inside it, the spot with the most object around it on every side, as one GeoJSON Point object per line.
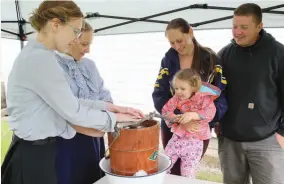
{"type": "Point", "coordinates": [189, 150]}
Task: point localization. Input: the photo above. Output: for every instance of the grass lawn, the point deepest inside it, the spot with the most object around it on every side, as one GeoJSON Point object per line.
{"type": "Point", "coordinates": [209, 176]}
{"type": "Point", "coordinates": [209, 170]}
{"type": "Point", "coordinates": [6, 137]}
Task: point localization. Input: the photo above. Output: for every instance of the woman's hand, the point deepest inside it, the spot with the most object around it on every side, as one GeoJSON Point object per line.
{"type": "Point", "coordinates": [191, 127]}
{"type": "Point", "coordinates": [188, 117]}
{"type": "Point", "coordinates": [131, 111]}
{"type": "Point", "coordinates": [124, 110]}
{"type": "Point", "coordinates": [120, 117]}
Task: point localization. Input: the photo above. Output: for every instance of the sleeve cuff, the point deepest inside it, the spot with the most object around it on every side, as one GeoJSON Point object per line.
{"type": "Point", "coordinates": [111, 123]}
{"type": "Point", "coordinates": [99, 105]}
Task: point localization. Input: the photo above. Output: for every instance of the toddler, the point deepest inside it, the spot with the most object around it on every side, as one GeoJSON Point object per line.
{"type": "Point", "coordinates": [195, 100]}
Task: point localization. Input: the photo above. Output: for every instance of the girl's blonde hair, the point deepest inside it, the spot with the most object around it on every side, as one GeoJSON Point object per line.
{"type": "Point", "coordinates": [191, 76]}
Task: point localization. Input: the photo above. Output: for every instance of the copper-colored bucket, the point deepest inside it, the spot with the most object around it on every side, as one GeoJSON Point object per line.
{"type": "Point", "coordinates": [135, 149]}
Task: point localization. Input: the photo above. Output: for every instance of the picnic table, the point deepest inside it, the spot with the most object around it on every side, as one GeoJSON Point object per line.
{"type": "Point", "coordinates": [169, 179]}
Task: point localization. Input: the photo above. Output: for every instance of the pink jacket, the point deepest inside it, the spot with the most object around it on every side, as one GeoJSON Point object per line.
{"type": "Point", "coordinates": [202, 103]}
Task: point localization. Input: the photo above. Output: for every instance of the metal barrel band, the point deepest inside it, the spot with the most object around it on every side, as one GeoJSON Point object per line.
{"type": "Point", "coordinates": [134, 150]}
{"type": "Point", "coordinates": [115, 134]}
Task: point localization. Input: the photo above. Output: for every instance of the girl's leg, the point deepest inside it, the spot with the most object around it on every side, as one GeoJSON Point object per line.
{"type": "Point", "coordinates": [172, 151]}
{"type": "Point", "coordinates": [166, 135]}
{"type": "Point", "coordinates": [205, 146]}
{"type": "Point", "coordinates": [191, 155]}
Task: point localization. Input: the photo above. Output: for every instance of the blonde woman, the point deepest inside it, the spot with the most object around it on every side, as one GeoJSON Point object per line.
{"type": "Point", "coordinates": [40, 103]}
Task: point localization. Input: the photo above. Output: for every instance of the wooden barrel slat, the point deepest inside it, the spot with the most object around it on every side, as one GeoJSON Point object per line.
{"type": "Point", "coordinates": [132, 150]}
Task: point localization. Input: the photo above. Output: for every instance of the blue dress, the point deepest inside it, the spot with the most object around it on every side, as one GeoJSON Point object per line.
{"type": "Point", "coordinates": [78, 158]}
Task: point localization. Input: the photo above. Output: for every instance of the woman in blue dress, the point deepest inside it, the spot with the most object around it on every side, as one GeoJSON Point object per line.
{"type": "Point", "coordinates": [78, 158]}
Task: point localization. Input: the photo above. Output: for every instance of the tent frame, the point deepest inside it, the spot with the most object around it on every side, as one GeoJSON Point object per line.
{"type": "Point", "coordinates": [22, 35]}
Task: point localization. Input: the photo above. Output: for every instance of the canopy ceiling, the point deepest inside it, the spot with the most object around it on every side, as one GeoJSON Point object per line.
{"type": "Point", "coordinates": [204, 12]}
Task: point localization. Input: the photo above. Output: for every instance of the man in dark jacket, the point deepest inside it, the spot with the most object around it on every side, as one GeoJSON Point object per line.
{"type": "Point", "coordinates": [251, 141]}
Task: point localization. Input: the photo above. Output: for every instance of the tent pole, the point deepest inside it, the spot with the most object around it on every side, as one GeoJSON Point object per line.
{"type": "Point", "coordinates": [21, 23]}
{"type": "Point", "coordinates": [22, 44]}
{"type": "Point", "coordinates": [194, 6]}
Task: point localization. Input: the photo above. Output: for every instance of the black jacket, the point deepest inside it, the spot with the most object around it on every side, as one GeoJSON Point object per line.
{"type": "Point", "coordinates": [255, 89]}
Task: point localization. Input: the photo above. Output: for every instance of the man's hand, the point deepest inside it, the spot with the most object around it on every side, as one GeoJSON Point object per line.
{"type": "Point", "coordinates": [188, 117]}
{"type": "Point", "coordinates": [217, 128]}
{"type": "Point", "coordinates": [191, 127]}
{"type": "Point", "coordinates": [280, 139]}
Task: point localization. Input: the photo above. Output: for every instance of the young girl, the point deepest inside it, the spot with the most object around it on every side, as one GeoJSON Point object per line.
{"type": "Point", "coordinates": [194, 99]}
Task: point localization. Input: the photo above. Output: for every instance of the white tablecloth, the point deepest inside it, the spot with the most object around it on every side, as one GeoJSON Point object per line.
{"type": "Point", "coordinates": [170, 179]}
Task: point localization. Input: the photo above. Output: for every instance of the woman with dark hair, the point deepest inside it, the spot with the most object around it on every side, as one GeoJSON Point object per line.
{"type": "Point", "coordinates": [186, 52]}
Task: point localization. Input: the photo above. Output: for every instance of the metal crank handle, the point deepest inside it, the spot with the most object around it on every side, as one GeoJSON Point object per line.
{"type": "Point", "coordinates": [156, 115]}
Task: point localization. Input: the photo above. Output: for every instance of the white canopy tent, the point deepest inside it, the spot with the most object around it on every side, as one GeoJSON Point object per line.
{"type": "Point", "coordinates": [136, 16]}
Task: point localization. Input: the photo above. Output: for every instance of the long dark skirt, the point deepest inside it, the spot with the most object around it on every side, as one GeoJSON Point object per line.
{"type": "Point", "coordinates": [30, 162]}
{"type": "Point", "coordinates": [78, 159]}
{"type": "Point", "coordinates": [166, 135]}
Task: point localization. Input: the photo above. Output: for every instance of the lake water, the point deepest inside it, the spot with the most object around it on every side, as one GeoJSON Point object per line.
{"type": "Point", "coordinates": [129, 64]}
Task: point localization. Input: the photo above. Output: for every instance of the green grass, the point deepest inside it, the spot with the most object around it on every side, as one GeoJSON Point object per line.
{"type": "Point", "coordinates": [209, 176]}
{"type": "Point", "coordinates": [210, 169]}
{"type": "Point", "coordinates": [6, 137]}
{"type": "Point", "coordinates": [210, 162]}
